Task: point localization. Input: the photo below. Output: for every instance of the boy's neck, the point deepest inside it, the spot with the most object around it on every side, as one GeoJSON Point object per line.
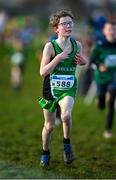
{"type": "Point", "coordinates": [64, 43]}
{"type": "Point", "coordinates": [63, 40]}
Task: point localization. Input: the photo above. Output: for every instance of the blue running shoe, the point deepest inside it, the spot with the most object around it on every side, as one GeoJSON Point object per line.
{"type": "Point", "coordinates": [45, 160]}
{"type": "Point", "coordinates": [68, 155]}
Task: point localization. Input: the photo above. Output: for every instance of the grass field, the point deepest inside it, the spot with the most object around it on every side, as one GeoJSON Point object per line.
{"type": "Point", "coordinates": [21, 122]}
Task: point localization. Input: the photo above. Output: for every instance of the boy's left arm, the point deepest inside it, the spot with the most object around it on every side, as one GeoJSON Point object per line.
{"type": "Point", "coordinates": [79, 57]}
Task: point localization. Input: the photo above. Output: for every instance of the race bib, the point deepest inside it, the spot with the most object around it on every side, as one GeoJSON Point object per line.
{"type": "Point", "coordinates": [62, 81]}
{"type": "Point", "coordinates": [110, 61]}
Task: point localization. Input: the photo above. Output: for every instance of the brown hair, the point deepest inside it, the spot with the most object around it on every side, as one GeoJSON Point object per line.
{"type": "Point", "coordinates": [55, 18]}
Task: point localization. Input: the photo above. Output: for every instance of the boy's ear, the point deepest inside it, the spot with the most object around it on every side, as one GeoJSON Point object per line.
{"type": "Point", "coordinates": [55, 29]}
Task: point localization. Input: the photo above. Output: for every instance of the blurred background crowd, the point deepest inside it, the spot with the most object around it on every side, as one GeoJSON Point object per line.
{"type": "Point", "coordinates": [24, 25]}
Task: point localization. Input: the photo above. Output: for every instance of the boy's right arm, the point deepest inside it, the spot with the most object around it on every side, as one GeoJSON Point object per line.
{"type": "Point", "coordinates": [48, 66]}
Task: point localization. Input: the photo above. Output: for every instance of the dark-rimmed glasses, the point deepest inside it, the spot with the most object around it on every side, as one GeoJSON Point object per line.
{"type": "Point", "coordinates": [65, 24]}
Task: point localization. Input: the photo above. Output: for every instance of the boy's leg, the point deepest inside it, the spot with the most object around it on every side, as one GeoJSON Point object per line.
{"type": "Point", "coordinates": [48, 128]}
{"type": "Point", "coordinates": [66, 105]}
{"type": "Point", "coordinates": [46, 136]}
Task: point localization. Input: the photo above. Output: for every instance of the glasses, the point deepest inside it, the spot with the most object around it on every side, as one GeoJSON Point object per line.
{"type": "Point", "coordinates": [65, 24]}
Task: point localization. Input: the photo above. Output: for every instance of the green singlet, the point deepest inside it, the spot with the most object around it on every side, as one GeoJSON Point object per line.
{"type": "Point", "coordinates": [61, 81]}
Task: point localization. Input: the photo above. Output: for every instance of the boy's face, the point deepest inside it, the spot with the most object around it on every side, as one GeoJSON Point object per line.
{"type": "Point", "coordinates": [109, 31]}
{"type": "Point", "coordinates": [65, 26]}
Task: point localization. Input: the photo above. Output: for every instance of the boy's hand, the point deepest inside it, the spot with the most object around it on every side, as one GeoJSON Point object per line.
{"type": "Point", "coordinates": [79, 60]}
{"type": "Point", "coordinates": [63, 55]}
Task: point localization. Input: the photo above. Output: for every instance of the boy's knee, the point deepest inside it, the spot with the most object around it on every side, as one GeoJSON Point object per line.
{"type": "Point", "coordinates": [65, 116]}
{"type": "Point", "coordinates": [49, 127]}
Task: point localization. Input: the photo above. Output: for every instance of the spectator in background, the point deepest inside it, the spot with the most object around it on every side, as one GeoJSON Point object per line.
{"type": "Point", "coordinates": [103, 56]}
{"type": "Point", "coordinates": [27, 34]}
{"type": "Point", "coordinates": [21, 41]}
{"type": "Point", "coordinates": [98, 28]}
{"type": "Point", "coordinates": [17, 62]}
